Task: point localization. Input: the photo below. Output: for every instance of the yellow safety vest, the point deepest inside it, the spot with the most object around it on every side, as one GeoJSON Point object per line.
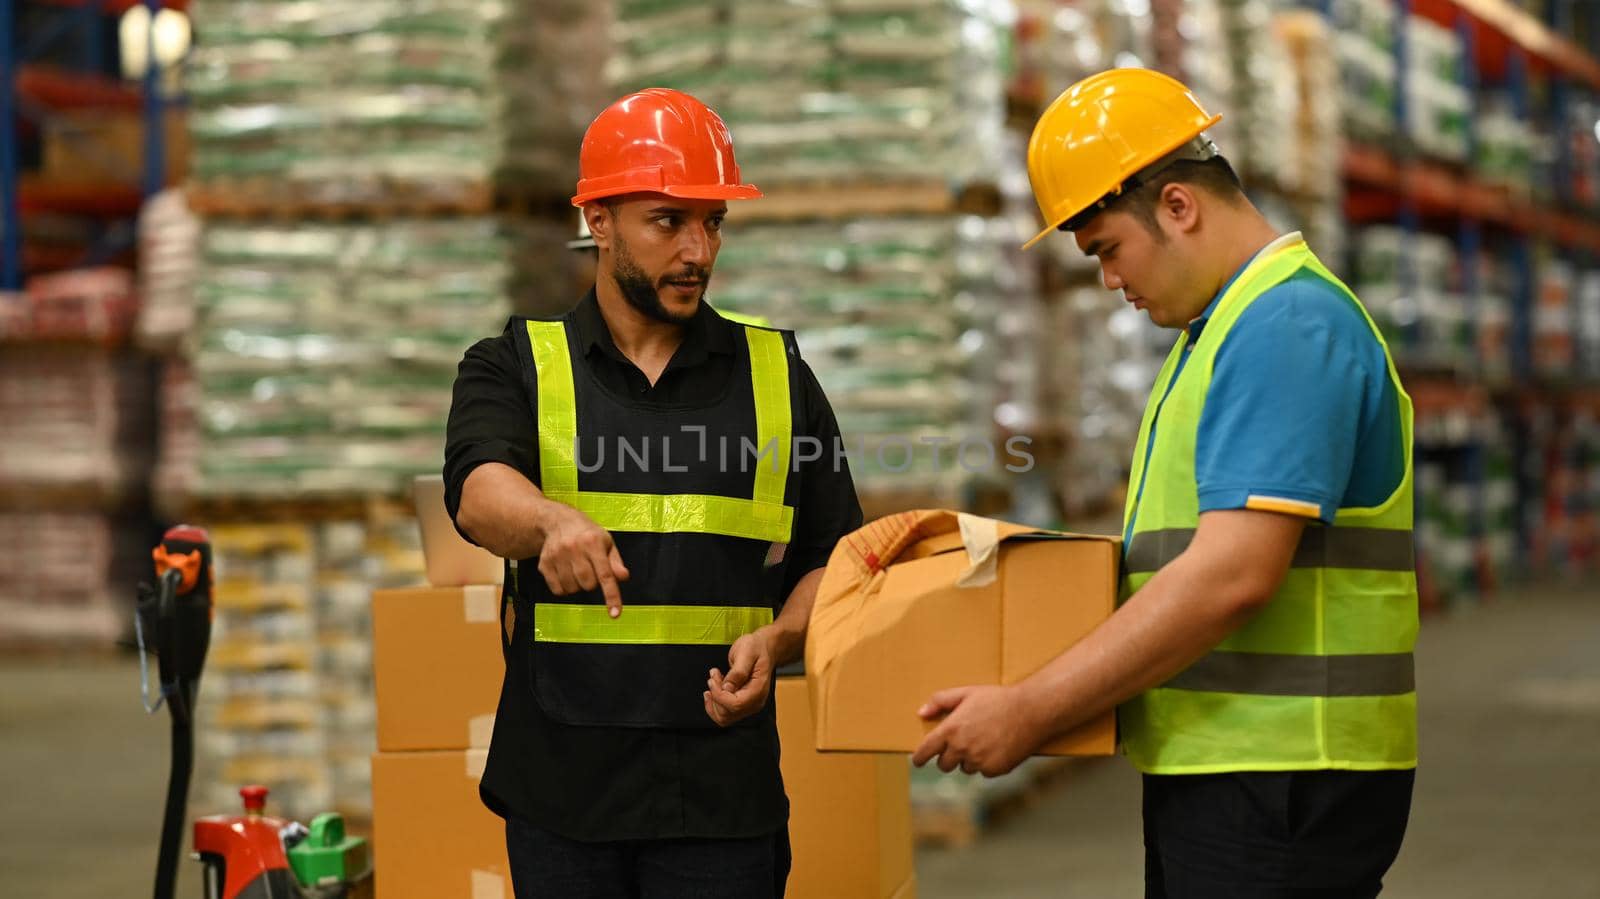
{"type": "Point", "coordinates": [762, 516]}
{"type": "Point", "coordinates": [1323, 676]}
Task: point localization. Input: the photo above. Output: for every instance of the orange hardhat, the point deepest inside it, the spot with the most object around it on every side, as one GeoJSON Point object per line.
{"type": "Point", "coordinates": [660, 141]}
{"type": "Point", "coordinates": [1094, 141]}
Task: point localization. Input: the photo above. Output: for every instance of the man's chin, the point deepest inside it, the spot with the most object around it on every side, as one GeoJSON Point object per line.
{"type": "Point", "coordinates": [678, 308]}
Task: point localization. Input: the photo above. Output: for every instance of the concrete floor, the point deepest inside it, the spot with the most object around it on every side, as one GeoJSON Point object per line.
{"type": "Point", "coordinates": [1507, 804]}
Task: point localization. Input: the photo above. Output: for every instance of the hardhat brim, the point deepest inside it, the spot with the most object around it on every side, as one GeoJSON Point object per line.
{"type": "Point", "coordinates": [681, 191]}
{"type": "Point", "coordinates": [1041, 235]}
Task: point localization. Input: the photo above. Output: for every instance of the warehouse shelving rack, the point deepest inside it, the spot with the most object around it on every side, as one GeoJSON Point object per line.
{"type": "Point", "coordinates": [1509, 48]}
{"type": "Point", "coordinates": [31, 89]}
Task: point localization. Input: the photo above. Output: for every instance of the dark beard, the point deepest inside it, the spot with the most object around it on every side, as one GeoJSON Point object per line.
{"type": "Point", "coordinates": [640, 291]}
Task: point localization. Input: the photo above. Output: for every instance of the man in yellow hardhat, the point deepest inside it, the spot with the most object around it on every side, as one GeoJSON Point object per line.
{"type": "Point", "coordinates": [1262, 657]}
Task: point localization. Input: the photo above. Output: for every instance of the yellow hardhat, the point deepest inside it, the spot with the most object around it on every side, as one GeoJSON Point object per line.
{"type": "Point", "coordinates": [1105, 130]}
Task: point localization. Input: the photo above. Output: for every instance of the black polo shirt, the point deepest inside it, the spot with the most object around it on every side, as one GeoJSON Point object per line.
{"type": "Point", "coordinates": [605, 783]}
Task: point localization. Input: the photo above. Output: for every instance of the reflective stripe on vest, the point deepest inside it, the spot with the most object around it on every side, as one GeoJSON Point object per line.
{"type": "Point", "coordinates": [743, 318]}
{"type": "Point", "coordinates": [647, 624]}
{"type": "Point", "coordinates": [1323, 676]}
{"type": "Point", "coordinates": [761, 517]}
{"type": "Point", "coordinates": [1375, 549]}
{"type": "Point", "coordinates": [1281, 674]}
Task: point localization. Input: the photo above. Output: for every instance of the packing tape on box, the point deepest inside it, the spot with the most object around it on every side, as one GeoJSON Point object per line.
{"type": "Point", "coordinates": [982, 539]}
{"type": "Point", "coordinates": [488, 885]}
{"type": "Point", "coordinates": [480, 604]}
{"type": "Point", "coordinates": [477, 759]}
{"type": "Point", "coordinates": [479, 729]}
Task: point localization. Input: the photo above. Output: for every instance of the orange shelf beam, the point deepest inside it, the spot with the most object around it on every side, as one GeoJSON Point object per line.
{"type": "Point", "coordinates": [1501, 25]}
{"type": "Point", "coordinates": [35, 195]}
{"type": "Point", "coordinates": [61, 89]}
{"type": "Point", "coordinates": [1378, 181]}
{"type": "Point", "coordinates": [1531, 35]}
{"type": "Point", "coordinates": [114, 7]}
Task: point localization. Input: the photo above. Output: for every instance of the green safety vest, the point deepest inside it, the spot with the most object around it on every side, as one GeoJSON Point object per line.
{"type": "Point", "coordinates": [1323, 676]}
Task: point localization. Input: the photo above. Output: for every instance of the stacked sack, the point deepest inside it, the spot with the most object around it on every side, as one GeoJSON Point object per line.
{"type": "Point", "coordinates": [354, 102]}
{"type": "Point", "coordinates": [1555, 301]}
{"type": "Point", "coordinates": [78, 446]}
{"type": "Point", "coordinates": [1588, 329]}
{"type": "Point", "coordinates": [1439, 106]}
{"type": "Point", "coordinates": [1492, 314]}
{"type": "Point", "coordinates": [864, 89]}
{"type": "Point", "coordinates": [1506, 147]}
{"type": "Point", "coordinates": [1580, 134]}
{"type": "Point", "coordinates": [289, 694]}
{"type": "Point", "coordinates": [169, 262]}
{"type": "Point", "coordinates": [1364, 41]}
{"type": "Point", "coordinates": [896, 317]}
{"type": "Point", "coordinates": [1411, 285]}
{"type": "Point", "coordinates": [1100, 383]}
{"type": "Point", "coordinates": [325, 352]}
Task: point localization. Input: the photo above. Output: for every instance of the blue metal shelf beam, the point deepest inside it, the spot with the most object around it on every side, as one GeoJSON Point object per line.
{"type": "Point", "coordinates": [155, 150]}
{"type": "Point", "coordinates": [10, 220]}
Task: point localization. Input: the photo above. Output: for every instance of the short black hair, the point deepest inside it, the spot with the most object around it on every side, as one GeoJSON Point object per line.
{"type": "Point", "coordinates": [1215, 176]}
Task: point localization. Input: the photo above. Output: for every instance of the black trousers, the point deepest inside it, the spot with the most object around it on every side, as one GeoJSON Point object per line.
{"type": "Point", "coordinates": [545, 865]}
{"type": "Point", "coordinates": [1260, 835]}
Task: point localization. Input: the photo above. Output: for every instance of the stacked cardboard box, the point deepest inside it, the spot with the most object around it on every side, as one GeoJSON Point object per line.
{"type": "Point", "coordinates": [439, 669]}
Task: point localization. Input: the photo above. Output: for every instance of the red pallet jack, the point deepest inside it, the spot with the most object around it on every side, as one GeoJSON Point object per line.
{"type": "Point", "coordinates": [248, 856]}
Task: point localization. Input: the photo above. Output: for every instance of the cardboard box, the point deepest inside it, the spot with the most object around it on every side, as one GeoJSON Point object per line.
{"type": "Point", "coordinates": [850, 818]}
{"type": "Point", "coordinates": [107, 147]}
{"type": "Point", "coordinates": [437, 667]}
{"type": "Point", "coordinates": [432, 838]}
{"type": "Point", "coordinates": [849, 813]}
{"type": "Point", "coordinates": [922, 601]}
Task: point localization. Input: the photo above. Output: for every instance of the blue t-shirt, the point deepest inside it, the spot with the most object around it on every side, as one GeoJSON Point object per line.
{"type": "Point", "coordinates": [1301, 415]}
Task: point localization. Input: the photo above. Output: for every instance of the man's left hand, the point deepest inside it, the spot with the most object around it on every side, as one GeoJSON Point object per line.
{"type": "Point", "coordinates": [986, 730]}
{"type": "Point", "coordinates": [743, 692]}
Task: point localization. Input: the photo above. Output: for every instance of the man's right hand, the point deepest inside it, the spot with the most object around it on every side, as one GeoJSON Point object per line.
{"type": "Point", "coordinates": [579, 555]}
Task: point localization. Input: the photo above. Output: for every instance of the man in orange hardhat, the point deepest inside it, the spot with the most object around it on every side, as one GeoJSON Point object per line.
{"type": "Point", "coordinates": [635, 460]}
{"type": "Point", "coordinates": [1262, 657]}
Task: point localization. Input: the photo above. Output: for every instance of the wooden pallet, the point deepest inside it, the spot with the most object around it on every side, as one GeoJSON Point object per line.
{"type": "Point", "coordinates": [956, 824]}
{"type": "Point", "coordinates": [946, 825]}
{"type": "Point", "coordinates": [266, 199]}
{"type": "Point", "coordinates": [835, 200]}
{"type": "Point", "coordinates": [265, 508]}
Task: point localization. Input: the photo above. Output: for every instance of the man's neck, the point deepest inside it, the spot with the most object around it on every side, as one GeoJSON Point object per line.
{"type": "Point", "coordinates": [648, 343]}
{"type": "Point", "coordinates": [1244, 232]}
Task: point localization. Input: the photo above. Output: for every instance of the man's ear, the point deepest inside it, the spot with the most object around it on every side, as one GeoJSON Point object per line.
{"type": "Point", "coordinates": [1179, 206]}
{"type": "Point", "coordinates": [600, 219]}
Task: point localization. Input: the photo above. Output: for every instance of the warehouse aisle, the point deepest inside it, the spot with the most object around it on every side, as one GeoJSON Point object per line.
{"type": "Point", "coordinates": [83, 771]}
{"type": "Point", "coordinates": [1507, 803]}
